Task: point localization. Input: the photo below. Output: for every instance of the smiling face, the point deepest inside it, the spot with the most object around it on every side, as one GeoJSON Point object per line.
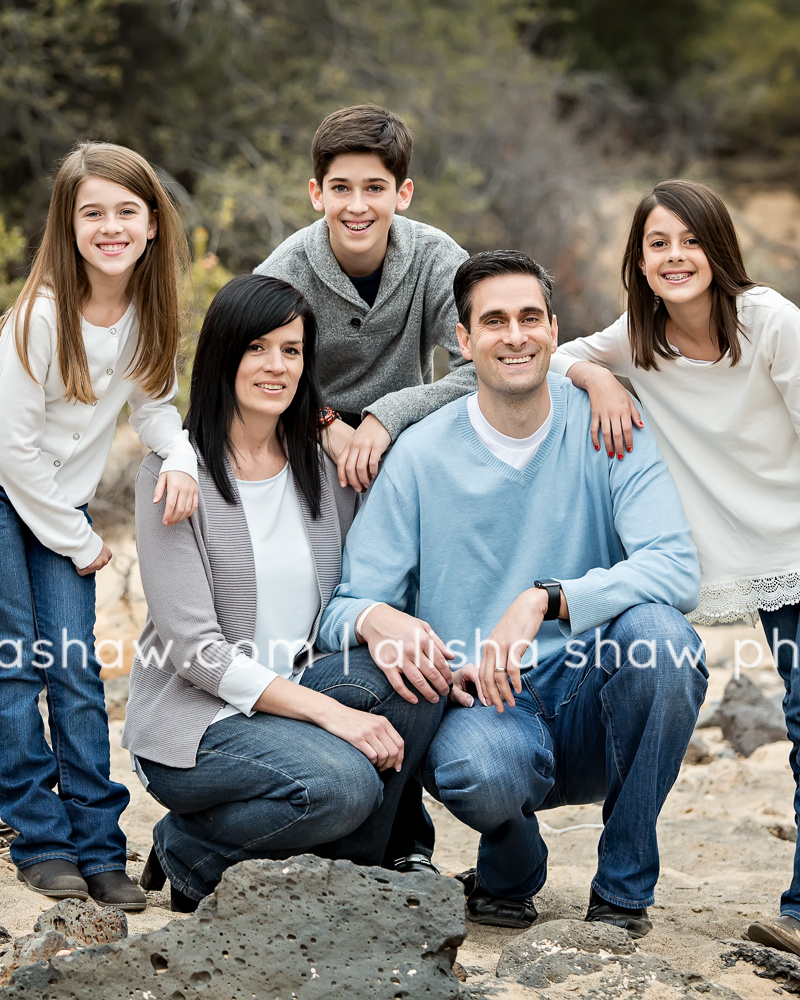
{"type": "Point", "coordinates": [269, 372]}
{"type": "Point", "coordinates": [112, 227]}
{"type": "Point", "coordinates": [510, 339]}
{"type": "Point", "coordinates": [673, 261]}
{"type": "Point", "coordinates": [359, 197]}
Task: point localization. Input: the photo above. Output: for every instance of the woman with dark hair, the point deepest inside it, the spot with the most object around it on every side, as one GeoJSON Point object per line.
{"type": "Point", "coordinates": [258, 746]}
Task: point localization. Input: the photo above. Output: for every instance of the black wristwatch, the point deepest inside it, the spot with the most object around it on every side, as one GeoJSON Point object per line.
{"type": "Point", "coordinates": [553, 588]}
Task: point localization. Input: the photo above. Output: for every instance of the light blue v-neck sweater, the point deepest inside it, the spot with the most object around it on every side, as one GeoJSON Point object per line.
{"type": "Point", "coordinates": [452, 529]}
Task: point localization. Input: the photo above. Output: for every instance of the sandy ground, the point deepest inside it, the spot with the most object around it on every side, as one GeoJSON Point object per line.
{"type": "Point", "coordinates": [721, 867]}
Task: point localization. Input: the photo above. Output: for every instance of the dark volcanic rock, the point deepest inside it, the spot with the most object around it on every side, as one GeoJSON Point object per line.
{"type": "Point", "coordinates": [30, 949]}
{"type": "Point", "coordinates": [778, 965]}
{"type": "Point", "coordinates": [748, 719]}
{"type": "Point", "coordinates": [70, 924]}
{"type": "Point", "coordinates": [553, 952]}
{"type": "Point", "coordinates": [83, 923]}
{"type": "Point", "coordinates": [306, 929]}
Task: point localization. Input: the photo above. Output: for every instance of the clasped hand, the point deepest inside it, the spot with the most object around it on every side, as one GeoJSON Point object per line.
{"type": "Point", "coordinates": [407, 647]}
{"type": "Point", "coordinates": [373, 735]}
{"type": "Point", "coordinates": [357, 453]}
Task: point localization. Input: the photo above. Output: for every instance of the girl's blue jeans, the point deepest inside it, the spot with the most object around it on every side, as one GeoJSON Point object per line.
{"type": "Point", "coordinates": [60, 799]}
{"type": "Point", "coordinates": [782, 628]}
{"type": "Point", "coordinates": [269, 787]}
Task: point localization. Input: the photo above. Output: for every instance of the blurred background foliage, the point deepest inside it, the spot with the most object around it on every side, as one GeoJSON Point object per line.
{"type": "Point", "coordinates": [537, 122]}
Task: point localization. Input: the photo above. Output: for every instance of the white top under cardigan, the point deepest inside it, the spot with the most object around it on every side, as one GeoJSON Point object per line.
{"type": "Point", "coordinates": [52, 453]}
{"type": "Point", "coordinates": [731, 438]}
{"type": "Point", "coordinates": [287, 594]}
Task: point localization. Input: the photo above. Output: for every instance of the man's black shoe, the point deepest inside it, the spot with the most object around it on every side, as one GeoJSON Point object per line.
{"type": "Point", "coordinates": [484, 908]}
{"type": "Point", "coordinates": [58, 878]}
{"type": "Point", "coordinates": [415, 863]}
{"type": "Point", "coordinates": [635, 922]}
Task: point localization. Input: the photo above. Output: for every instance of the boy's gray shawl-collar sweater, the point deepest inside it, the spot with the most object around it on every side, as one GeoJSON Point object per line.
{"type": "Point", "coordinates": [380, 359]}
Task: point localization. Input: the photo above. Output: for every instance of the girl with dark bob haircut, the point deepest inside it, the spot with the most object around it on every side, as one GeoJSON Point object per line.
{"type": "Point", "coordinates": [715, 360]}
{"type": "Point", "coordinates": [258, 745]}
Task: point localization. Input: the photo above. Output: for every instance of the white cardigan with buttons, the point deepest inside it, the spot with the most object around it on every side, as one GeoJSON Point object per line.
{"type": "Point", "coordinates": [52, 453]}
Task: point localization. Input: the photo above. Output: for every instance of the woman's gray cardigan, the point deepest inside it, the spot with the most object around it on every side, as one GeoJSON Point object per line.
{"type": "Point", "coordinates": [199, 581]}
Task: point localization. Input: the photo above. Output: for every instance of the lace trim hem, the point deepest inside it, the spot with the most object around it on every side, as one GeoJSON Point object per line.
{"type": "Point", "coordinates": [742, 599]}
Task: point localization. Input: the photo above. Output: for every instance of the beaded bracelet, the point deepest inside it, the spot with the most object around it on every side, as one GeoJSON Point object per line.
{"type": "Point", "coordinates": [326, 416]}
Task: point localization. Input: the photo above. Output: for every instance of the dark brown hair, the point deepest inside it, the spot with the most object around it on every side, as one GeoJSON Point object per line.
{"type": "Point", "coordinates": [704, 214]}
{"type": "Point", "coordinates": [493, 264]}
{"type": "Point", "coordinates": [58, 268]}
{"type": "Point", "coordinates": [242, 311]}
{"type": "Point", "coordinates": [363, 128]}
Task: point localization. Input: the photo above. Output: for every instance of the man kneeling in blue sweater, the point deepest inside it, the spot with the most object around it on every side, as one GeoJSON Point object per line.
{"type": "Point", "coordinates": [554, 576]}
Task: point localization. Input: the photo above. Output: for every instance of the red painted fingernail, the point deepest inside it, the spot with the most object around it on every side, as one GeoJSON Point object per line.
{"type": "Point", "coordinates": [597, 447]}
{"type": "Point", "coordinates": [630, 448]}
{"type": "Point", "coordinates": [641, 424]}
{"type": "Point", "coordinates": [611, 454]}
{"type": "Point", "coordinates": [620, 455]}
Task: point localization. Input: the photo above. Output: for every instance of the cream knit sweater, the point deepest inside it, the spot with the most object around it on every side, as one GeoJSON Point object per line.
{"type": "Point", "coordinates": [731, 438]}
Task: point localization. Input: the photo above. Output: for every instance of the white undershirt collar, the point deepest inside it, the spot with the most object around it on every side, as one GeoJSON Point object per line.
{"type": "Point", "coordinates": [516, 452]}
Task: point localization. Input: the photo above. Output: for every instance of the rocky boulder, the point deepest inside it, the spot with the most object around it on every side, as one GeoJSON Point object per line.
{"type": "Point", "coordinates": [70, 924]}
{"type": "Point", "coordinates": [600, 961]}
{"type": "Point", "coordinates": [747, 718]}
{"type": "Point", "coordinates": [302, 929]}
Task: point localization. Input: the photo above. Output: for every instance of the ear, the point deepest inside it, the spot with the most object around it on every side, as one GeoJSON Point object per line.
{"type": "Point", "coordinates": [152, 228]}
{"type": "Point", "coordinates": [404, 194]}
{"type": "Point", "coordinates": [642, 265]}
{"type": "Point", "coordinates": [315, 194]}
{"type": "Point", "coordinates": [554, 333]}
{"type": "Point", "coordinates": [463, 340]}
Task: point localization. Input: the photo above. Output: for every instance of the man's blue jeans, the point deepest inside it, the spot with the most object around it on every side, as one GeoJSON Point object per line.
{"type": "Point", "coordinates": [607, 730]}
{"type": "Point", "coordinates": [43, 599]}
{"type": "Point", "coordinates": [782, 628]}
{"type": "Point", "coordinates": [269, 787]}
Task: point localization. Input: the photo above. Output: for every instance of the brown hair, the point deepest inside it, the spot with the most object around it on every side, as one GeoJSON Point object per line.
{"type": "Point", "coordinates": [704, 213]}
{"type": "Point", "coordinates": [363, 128]}
{"type": "Point", "coordinates": [59, 268]}
{"type": "Point", "coordinates": [493, 264]}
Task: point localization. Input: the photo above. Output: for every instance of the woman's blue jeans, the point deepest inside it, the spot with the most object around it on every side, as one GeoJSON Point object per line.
{"type": "Point", "coordinates": [44, 601]}
{"type": "Point", "coordinates": [269, 787]}
{"type": "Point", "coordinates": [612, 729]}
{"type": "Point", "coordinates": [782, 628]}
